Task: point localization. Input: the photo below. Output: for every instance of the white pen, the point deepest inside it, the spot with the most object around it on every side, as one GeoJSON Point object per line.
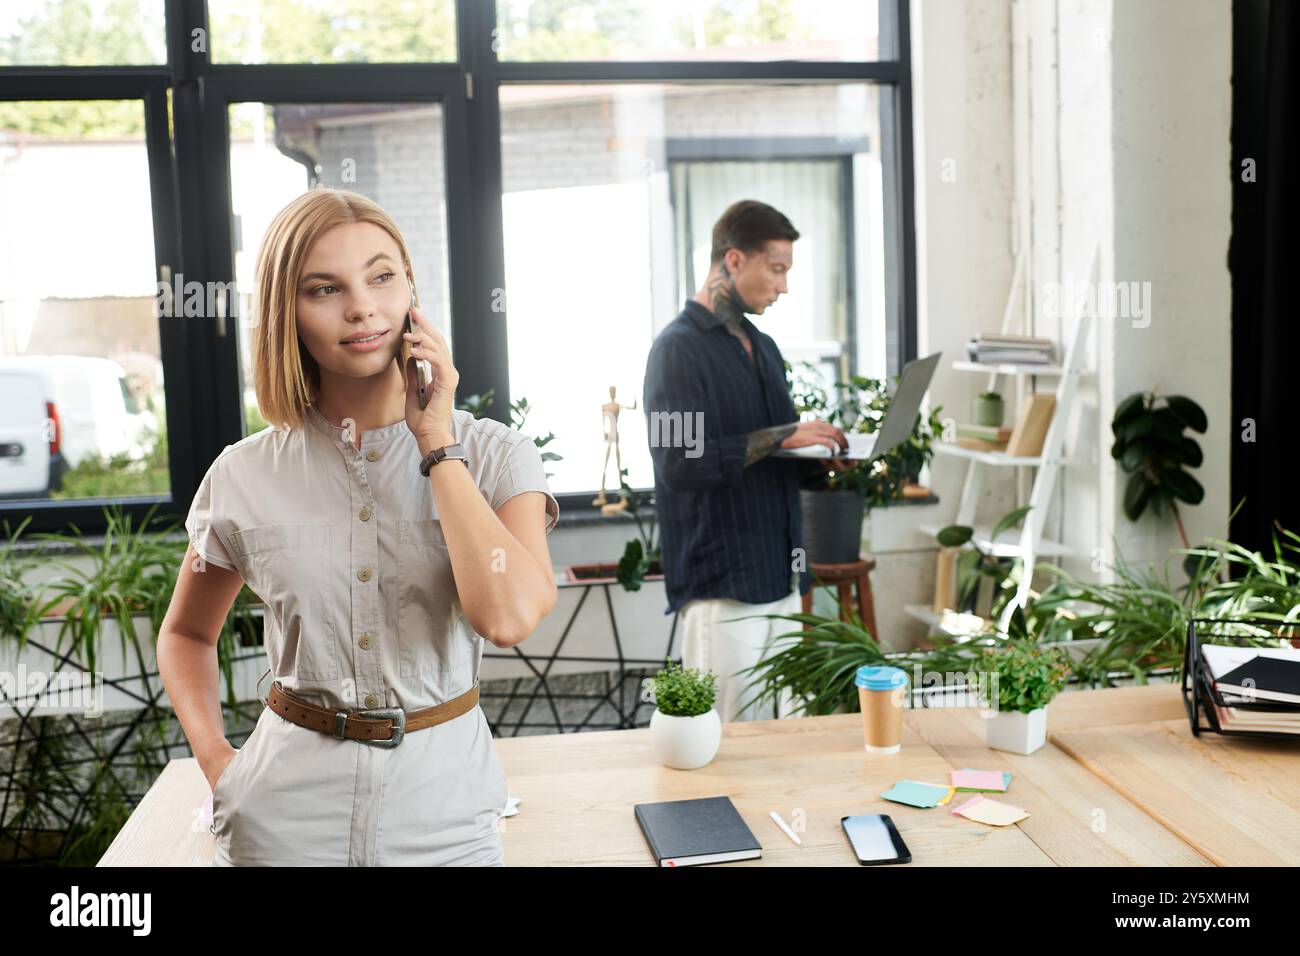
{"type": "Point", "coordinates": [782, 824]}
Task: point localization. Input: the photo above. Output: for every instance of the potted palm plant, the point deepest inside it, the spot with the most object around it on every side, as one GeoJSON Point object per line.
{"type": "Point", "coordinates": [833, 503]}
{"type": "Point", "coordinates": [685, 730]}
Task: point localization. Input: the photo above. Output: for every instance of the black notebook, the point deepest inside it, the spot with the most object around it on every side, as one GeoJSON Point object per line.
{"type": "Point", "coordinates": [691, 832]}
{"type": "Point", "coordinates": [1264, 678]}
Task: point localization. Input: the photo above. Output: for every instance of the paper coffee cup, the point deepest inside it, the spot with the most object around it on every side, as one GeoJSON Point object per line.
{"type": "Point", "coordinates": [881, 692]}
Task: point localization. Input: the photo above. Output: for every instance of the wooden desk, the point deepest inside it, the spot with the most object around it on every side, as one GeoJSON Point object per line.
{"type": "Point", "coordinates": [1122, 782]}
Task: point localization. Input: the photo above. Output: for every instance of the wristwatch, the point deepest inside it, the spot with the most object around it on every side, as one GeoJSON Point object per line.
{"type": "Point", "coordinates": [441, 454]}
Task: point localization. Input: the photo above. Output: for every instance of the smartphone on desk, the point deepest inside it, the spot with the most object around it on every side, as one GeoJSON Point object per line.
{"type": "Point", "coordinates": [423, 369]}
{"type": "Point", "coordinates": [875, 839]}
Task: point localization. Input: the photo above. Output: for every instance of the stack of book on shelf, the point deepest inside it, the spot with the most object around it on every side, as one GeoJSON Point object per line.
{"type": "Point", "coordinates": [983, 437]}
{"type": "Point", "coordinates": [1253, 689]}
{"type": "Point", "coordinates": [995, 349]}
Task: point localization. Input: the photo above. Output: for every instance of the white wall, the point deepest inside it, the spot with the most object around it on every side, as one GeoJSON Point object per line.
{"type": "Point", "coordinates": [1172, 119]}
{"type": "Point", "coordinates": [1115, 132]}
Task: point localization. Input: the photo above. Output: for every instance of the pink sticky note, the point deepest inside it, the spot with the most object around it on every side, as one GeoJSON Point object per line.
{"type": "Point", "coordinates": [979, 780]}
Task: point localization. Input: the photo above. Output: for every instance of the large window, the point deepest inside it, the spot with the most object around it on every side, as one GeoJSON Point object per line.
{"type": "Point", "coordinates": [555, 165]}
{"type": "Point", "coordinates": [675, 29]}
{"type": "Point", "coordinates": [602, 252]}
{"type": "Point", "coordinates": [389, 152]}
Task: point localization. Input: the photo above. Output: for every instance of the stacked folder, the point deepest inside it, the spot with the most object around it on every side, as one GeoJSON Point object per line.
{"type": "Point", "coordinates": [996, 348]}
{"type": "Point", "coordinates": [1253, 689]}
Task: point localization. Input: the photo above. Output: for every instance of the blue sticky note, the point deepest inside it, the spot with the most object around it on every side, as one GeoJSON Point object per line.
{"type": "Point", "coordinates": [917, 794]}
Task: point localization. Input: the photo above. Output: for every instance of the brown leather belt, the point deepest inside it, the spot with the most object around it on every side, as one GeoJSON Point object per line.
{"type": "Point", "coordinates": [383, 726]}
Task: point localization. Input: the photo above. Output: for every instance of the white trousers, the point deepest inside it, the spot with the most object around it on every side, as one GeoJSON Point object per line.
{"type": "Point", "coordinates": [711, 642]}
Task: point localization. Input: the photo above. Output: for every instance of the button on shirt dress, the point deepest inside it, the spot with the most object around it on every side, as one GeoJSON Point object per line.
{"type": "Point", "coordinates": [345, 548]}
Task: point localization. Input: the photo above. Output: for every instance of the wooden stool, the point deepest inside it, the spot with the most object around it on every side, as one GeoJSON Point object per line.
{"type": "Point", "coordinates": [845, 577]}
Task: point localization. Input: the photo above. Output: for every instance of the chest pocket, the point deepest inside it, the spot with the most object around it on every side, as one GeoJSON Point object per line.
{"type": "Point", "coordinates": [434, 636]}
{"type": "Point", "coordinates": [296, 571]}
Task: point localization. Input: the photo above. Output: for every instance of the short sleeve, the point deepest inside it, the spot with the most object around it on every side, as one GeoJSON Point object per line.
{"type": "Point", "coordinates": [522, 471]}
{"type": "Point", "coordinates": [205, 513]}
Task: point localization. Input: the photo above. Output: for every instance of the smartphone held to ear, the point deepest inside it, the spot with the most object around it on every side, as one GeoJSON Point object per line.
{"type": "Point", "coordinates": [423, 369]}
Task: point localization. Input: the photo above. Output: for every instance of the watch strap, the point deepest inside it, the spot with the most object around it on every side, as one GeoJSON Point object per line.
{"type": "Point", "coordinates": [436, 455]}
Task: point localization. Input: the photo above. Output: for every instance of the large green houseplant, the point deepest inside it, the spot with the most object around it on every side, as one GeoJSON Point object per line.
{"type": "Point", "coordinates": [1151, 447]}
{"type": "Point", "coordinates": [118, 588]}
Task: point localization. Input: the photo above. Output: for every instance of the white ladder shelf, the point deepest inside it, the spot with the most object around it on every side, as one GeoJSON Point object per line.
{"type": "Point", "coordinates": [1028, 543]}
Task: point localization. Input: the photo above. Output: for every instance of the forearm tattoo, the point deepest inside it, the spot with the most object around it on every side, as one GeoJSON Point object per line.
{"type": "Point", "coordinates": [761, 443]}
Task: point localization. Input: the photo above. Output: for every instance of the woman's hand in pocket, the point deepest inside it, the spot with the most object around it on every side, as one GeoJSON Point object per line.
{"type": "Point", "coordinates": [216, 766]}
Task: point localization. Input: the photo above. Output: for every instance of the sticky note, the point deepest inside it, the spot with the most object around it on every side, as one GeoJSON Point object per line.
{"type": "Point", "coordinates": [993, 812]}
{"type": "Point", "coordinates": [990, 780]}
{"type": "Point", "coordinates": [914, 793]}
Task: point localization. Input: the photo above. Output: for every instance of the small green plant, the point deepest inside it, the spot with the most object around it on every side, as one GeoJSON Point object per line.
{"type": "Point", "coordinates": [1028, 675]}
{"type": "Point", "coordinates": [685, 692]}
{"type": "Point", "coordinates": [1151, 447]}
{"type": "Point", "coordinates": [991, 396]}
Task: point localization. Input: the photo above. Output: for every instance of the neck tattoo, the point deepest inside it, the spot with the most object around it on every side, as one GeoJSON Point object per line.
{"type": "Point", "coordinates": [726, 302]}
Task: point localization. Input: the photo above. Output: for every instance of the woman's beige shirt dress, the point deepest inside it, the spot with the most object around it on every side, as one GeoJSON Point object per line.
{"type": "Point", "coordinates": [345, 547]}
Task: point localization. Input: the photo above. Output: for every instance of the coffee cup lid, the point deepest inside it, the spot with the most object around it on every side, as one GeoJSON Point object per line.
{"type": "Point", "coordinates": [880, 677]}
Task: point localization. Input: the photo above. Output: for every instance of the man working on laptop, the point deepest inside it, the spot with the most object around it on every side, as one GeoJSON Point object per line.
{"type": "Point", "coordinates": [717, 405]}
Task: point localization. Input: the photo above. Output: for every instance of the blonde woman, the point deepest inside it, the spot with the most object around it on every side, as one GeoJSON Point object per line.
{"type": "Point", "coordinates": [384, 539]}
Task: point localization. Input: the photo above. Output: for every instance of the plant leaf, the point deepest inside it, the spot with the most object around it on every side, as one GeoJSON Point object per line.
{"type": "Point", "coordinates": [1188, 412]}
{"type": "Point", "coordinates": [1136, 495]}
{"type": "Point", "coordinates": [1127, 409]}
{"type": "Point", "coordinates": [1010, 520]}
{"type": "Point", "coordinates": [1134, 456]}
{"type": "Point", "coordinates": [1190, 453]}
{"type": "Point", "coordinates": [1182, 485]}
{"type": "Point", "coordinates": [955, 535]}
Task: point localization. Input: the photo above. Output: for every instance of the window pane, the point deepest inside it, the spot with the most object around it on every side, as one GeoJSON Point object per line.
{"type": "Point", "coordinates": [618, 187]}
{"type": "Point", "coordinates": [81, 380]}
{"type": "Point", "coordinates": [688, 30]}
{"type": "Point", "coordinates": [332, 31]}
{"type": "Point", "coordinates": [81, 33]}
{"type": "Point", "coordinates": [389, 152]}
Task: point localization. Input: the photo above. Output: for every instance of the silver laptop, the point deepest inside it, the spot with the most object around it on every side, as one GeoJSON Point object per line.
{"type": "Point", "coordinates": [894, 430]}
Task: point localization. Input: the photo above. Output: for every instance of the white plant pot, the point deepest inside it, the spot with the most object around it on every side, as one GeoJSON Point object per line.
{"type": "Point", "coordinates": [1016, 732]}
{"type": "Point", "coordinates": [685, 743]}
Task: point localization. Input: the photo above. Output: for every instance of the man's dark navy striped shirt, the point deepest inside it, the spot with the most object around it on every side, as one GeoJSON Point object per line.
{"type": "Point", "coordinates": [726, 531]}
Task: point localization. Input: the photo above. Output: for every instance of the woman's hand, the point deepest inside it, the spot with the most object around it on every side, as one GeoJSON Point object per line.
{"type": "Point", "coordinates": [214, 769]}
{"type": "Point", "coordinates": [431, 424]}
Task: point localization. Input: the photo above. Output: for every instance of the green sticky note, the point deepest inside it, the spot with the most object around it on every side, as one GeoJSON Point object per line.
{"type": "Point", "coordinates": [914, 793]}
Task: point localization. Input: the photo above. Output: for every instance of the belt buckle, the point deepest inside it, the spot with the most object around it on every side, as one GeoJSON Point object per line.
{"type": "Point", "coordinates": [398, 716]}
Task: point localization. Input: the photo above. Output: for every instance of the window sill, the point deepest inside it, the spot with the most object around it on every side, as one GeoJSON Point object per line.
{"type": "Point", "coordinates": [576, 515]}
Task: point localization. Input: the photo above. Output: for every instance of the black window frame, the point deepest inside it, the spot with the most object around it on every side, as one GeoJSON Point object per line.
{"type": "Point", "coordinates": [190, 202]}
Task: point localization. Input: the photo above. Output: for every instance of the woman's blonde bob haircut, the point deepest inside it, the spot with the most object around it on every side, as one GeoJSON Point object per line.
{"type": "Point", "coordinates": [285, 376]}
